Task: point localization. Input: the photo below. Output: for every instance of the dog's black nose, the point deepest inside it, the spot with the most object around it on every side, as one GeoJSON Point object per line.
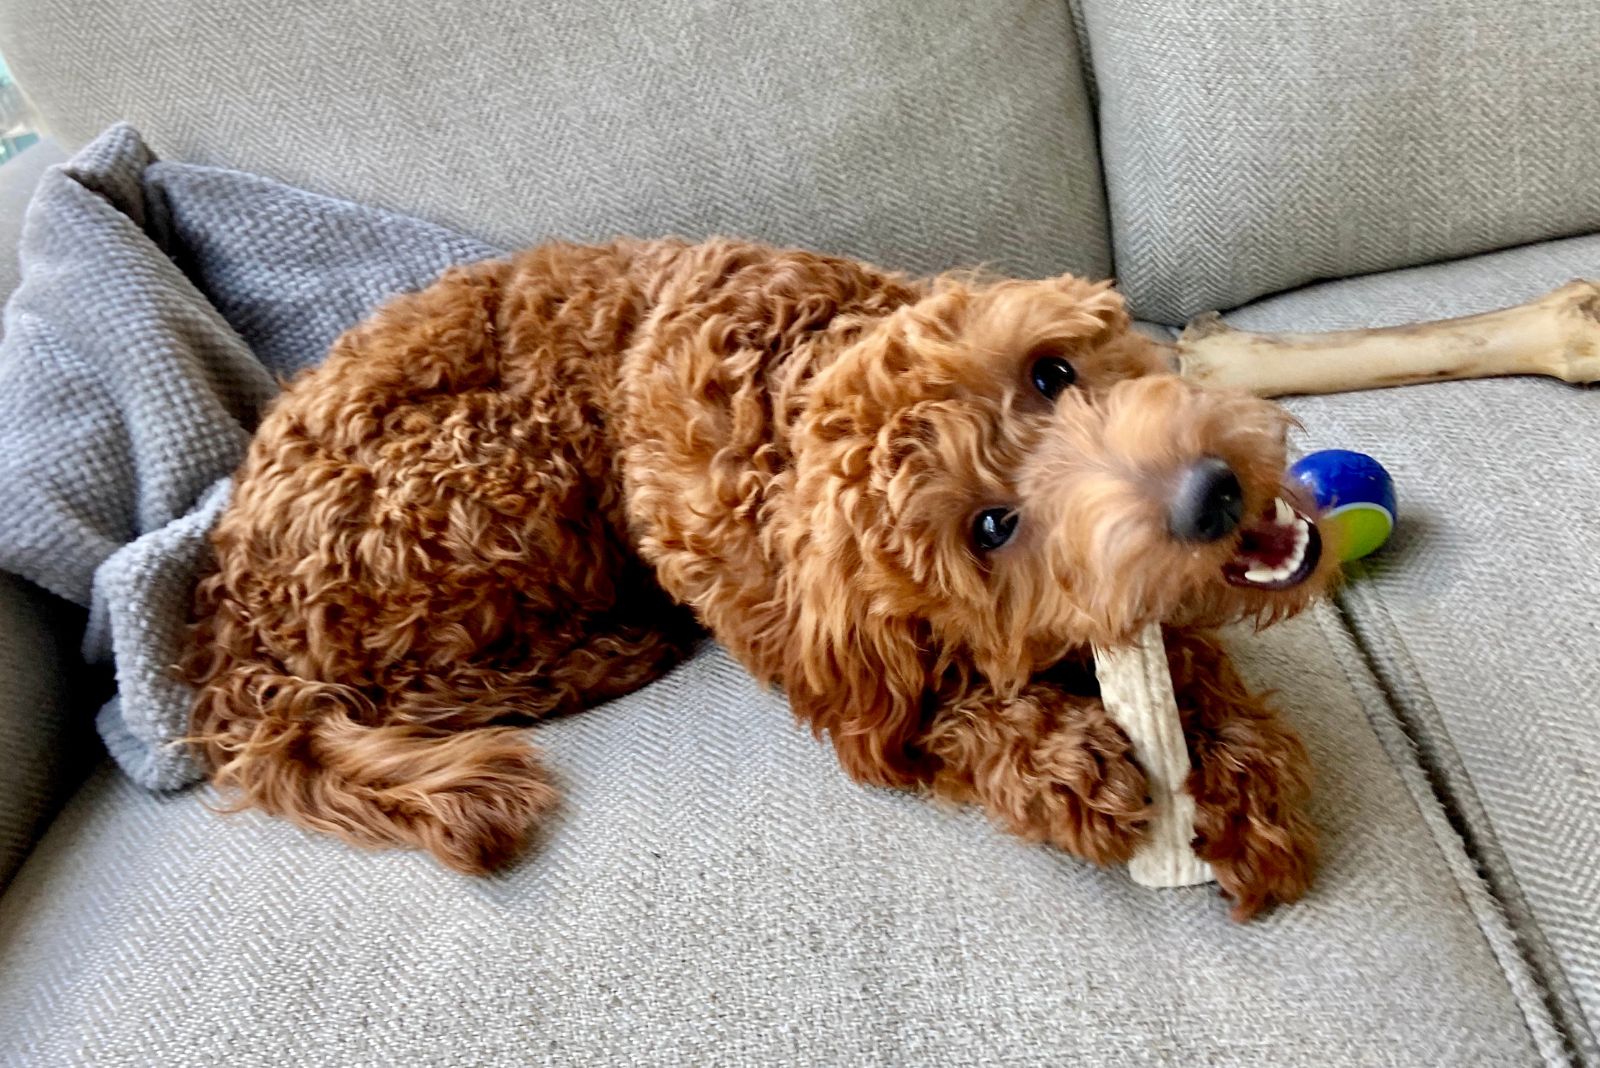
{"type": "Point", "coordinates": [1208, 504]}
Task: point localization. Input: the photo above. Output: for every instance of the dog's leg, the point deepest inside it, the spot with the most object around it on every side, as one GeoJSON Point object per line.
{"type": "Point", "coordinates": [1557, 335]}
{"type": "Point", "coordinates": [1251, 777]}
{"type": "Point", "coordinates": [1047, 765]}
{"type": "Point", "coordinates": [579, 665]}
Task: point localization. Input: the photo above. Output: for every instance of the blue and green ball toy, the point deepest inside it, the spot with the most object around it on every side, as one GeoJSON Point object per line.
{"type": "Point", "coordinates": [1355, 495]}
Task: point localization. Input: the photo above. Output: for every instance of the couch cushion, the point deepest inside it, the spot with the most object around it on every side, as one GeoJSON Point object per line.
{"type": "Point", "coordinates": [1483, 613]}
{"type": "Point", "coordinates": [919, 133]}
{"type": "Point", "coordinates": [714, 890]}
{"type": "Point", "coordinates": [1252, 147]}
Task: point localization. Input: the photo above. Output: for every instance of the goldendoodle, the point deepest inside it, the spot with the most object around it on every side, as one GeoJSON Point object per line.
{"type": "Point", "coordinates": [912, 504]}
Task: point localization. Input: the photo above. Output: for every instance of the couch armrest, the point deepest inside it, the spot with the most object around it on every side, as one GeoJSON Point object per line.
{"type": "Point", "coordinates": [46, 715]}
{"type": "Point", "coordinates": [44, 738]}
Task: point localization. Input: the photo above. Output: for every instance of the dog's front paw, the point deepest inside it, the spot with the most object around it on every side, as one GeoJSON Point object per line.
{"type": "Point", "coordinates": [1249, 788]}
{"type": "Point", "coordinates": [1258, 862]}
{"type": "Point", "coordinates": [1093, 799]}
{"type": "Point", "coordinates": [1048, 766]}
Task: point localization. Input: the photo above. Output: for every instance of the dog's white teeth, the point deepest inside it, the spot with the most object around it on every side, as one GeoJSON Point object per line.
{"type": "Point", "coordinates": [1302, 538]}
{"type": "Point", "coordinates": [1260, 574]}
{"type": "Point", "coordinates": [1294, 528]}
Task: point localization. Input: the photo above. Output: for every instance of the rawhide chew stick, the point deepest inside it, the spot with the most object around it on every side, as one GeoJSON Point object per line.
{"type": "Point", "coordinates": [1136, 689]}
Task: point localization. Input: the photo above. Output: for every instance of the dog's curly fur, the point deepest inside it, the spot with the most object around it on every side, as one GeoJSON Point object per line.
{"type": "Point", "coordinates": [514, 493]}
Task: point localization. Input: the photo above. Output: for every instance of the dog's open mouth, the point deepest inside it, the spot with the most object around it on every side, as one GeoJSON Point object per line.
{"type": "Point", "coordinates": [1277, 552]}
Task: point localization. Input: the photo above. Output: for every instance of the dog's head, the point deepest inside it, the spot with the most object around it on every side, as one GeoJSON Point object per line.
{"type": "Point", "coordinates": [1000, 474]}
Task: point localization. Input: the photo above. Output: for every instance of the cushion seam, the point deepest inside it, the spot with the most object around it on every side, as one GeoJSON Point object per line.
{"type": "Point", "coordinates": [1406, 721]}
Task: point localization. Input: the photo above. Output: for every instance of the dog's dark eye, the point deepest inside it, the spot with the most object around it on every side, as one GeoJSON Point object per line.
{"type": "Point", "coordinates": [1051, 375]}
{"type": "Point", "coordinates": [993, 528]}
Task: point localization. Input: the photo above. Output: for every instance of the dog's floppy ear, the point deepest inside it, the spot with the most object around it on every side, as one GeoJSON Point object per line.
{"type": "Point", "coordinates": [857, 674]}
{"type": "Point", "coordinates": [856, 654]}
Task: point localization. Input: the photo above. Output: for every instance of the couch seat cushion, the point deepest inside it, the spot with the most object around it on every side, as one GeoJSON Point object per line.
{"type": "Point", "coordinates": [715, 891]}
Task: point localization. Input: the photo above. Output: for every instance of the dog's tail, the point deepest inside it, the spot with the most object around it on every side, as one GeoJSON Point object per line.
{"type": "Point", "coordinates": [319, 755]}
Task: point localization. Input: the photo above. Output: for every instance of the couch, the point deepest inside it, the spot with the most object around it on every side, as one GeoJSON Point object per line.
{"type": "Point", "coordinates": [714, 891]}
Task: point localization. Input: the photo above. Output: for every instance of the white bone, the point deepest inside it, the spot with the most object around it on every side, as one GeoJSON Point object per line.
{"type": "Point", "coordinates": [1136, 689]}
{"type": "Point", "coordinates": [1557, 335]}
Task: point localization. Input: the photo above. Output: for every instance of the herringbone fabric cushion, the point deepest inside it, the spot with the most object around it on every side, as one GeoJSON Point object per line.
{"type": "Point", "coordinates": [1251, 147]}
{"type": "Point", "coordinates": [714, 891]}
{"type": "Point", "coordinates": [1483, 614]}
{"type": "Point", "coordinates": [921, 134]}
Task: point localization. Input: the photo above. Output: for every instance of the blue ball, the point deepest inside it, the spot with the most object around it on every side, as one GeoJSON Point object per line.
{"type": "Point", "coordinates": [1355, 495]}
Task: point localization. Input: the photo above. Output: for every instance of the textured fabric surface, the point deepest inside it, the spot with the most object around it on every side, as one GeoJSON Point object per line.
{"type": "Point", "coordinates": [921, 134]}
{"type": "Point", "coordinates": [39, 744]}
{"type": "Point", "coordinates": [1252, 147]}
{"type": "Point", "coordinates": [1481, 615]}
{"type": "Point", "coordinates": [17, 181]}
{"type": "Point", "coordinates": [157, 305]}
{"type": "Point", "coordinates": [714, 891]}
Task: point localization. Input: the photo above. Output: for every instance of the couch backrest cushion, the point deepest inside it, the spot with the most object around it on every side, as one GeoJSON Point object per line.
{"type": "Point", "coordinates": [921, 134]}
{"type": "Point", "coordinates": [1253, 146]}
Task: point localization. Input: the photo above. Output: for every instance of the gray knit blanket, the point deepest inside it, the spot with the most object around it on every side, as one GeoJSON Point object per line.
{"type": "Point", "coordinates": [160, 305]}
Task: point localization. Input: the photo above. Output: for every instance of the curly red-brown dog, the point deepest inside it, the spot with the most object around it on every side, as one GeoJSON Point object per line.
{"type": "Point", "coordinates": [911, 504]}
